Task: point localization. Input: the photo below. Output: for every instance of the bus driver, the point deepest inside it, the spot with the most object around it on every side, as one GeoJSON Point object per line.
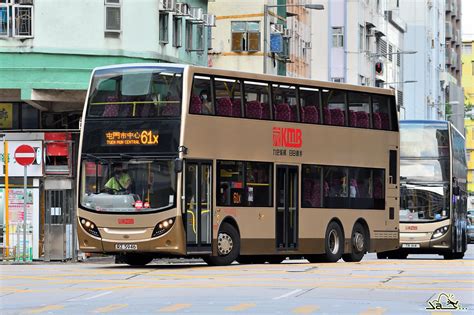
{"type": "Point", "coordinates": [121, 181]}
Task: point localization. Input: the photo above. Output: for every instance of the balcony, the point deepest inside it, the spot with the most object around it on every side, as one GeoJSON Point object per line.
{"type": "Point", "coordinates": [448, 56]}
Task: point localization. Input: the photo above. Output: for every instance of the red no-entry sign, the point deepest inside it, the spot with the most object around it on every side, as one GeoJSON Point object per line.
{"type": "Point", "coordinates": [25, 155]}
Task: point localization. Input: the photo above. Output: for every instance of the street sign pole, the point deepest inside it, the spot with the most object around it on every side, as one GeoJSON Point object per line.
{"type": "Point", "coordinates": [25, 193]}
{"type": "Point", "coordinates": [24, 155]}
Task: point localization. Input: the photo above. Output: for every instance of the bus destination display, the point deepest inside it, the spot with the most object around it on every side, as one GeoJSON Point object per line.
{"type": "Point", "coordinates": [136, 137]}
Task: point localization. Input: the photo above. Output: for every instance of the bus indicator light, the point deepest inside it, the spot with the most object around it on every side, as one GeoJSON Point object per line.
{"type": "Point", "coordinates": [138, 204]}
{"type": "Point", "coordinates": [146, 204]}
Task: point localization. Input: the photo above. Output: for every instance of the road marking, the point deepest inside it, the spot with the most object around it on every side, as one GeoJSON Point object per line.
{"type": "Point", "coordinates": [374, 311]}
{"type": "Point", "coordinates": [287, 294]}
{"type": "Point", "coordinates": [174, 307]}
{"type": "Point", "coordinates": [97, 295]}
{"type": "Point", "coordinates": [307, 309]}
{"type": "Point", "coordinates": [240, 307]}
{"type": "Point", "coordinates": [46, 309]}
{"type": "Point", "coordinates": [110, 308]}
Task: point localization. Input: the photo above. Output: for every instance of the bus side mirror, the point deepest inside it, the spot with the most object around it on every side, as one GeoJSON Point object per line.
{"type": "Point", "coordinates": [456, 190]}
{"type": "Point", "coordinates": [178, 165]}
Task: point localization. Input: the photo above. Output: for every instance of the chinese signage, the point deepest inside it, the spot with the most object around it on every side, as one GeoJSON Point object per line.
{"type": "Point", "coordinates": [6, 115]}
{"type": "Point", "coordinates": [287, 141]}
{"type": "Point", "coordinates": [143, 137]}
{"type": "Point", "coordinates": [15, 169]}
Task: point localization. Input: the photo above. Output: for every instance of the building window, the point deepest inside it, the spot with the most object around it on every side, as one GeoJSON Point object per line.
{"type": "Point", "coordinates": [113, 21]}
{"type": "Point", "coordinates": [199, 37]}
{"type": "Point", "coordinates": [467, 49]}
{"type": "Point", "coordinates": [163, 20]}
{"type": "Point", "coordinates": [245, 36]}
{"type": "Point", "coordinates": [337, 37]}
{"type": "Point", "coordinates": [189, 35]}
{"type": "Point", "coordinates": [177, 31]}
{"type": "Point", "coordinates": [390, 52]}
{"type": "Point", "coordinates": [361, 38]}
{"type": "Point", "coordinates": [16, 18]}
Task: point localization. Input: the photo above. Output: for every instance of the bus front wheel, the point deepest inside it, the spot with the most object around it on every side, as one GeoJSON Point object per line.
{"type": "Point", "coordinates": [334, 243]}
{"type": "Point", "coordinates": [228, 246]}
{"type": "Point", "coordinates": [137, 259]}
{"type": "Point", "coordinates": [358, 244]}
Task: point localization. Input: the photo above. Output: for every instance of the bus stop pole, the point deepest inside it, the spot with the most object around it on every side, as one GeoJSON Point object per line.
{"type": "Point", "coordinates": [7, 223]}
{"type": "Point", "coordinates": [25, 194]}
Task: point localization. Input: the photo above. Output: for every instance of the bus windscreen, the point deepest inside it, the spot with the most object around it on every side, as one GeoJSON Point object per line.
{"type": "Point", "coordinates": [137, 92]}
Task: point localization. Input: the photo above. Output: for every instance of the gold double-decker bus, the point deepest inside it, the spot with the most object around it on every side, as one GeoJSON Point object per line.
{"type": "Point", "coordinates": [184, 161]}
{"type": "Point", "coordinates": [433, 190]}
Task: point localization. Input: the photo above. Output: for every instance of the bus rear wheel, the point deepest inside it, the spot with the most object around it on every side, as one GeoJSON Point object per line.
{"type": "Point", "coordinates": [334, 243]}
{"type": "Point", "coordinates": [136, 259]}
{"type": "Point", "coordinates": [228, 246]}
{"type": "Point", "coordinates": [451, 256]}
{"type": "Point", "coordinates": [358, 244]}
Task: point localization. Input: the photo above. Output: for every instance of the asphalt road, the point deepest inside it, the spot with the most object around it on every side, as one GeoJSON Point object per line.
{"type": "Point", "coordinates": [293, 287]}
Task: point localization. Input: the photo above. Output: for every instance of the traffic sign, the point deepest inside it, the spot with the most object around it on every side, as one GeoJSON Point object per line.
{"type": "Point", "coordinates": [25, 155]}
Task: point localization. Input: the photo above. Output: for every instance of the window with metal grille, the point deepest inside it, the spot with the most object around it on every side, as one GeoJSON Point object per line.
{"type": "Point", "coordinates": [399, 99]}
{"type": "Point", "coordinates": [390, 52]}
{"type": "Point", "coordinates": [16, 18]}
{"type": "Point", "coordinates": [245, 36]}
{"type": "Point", "coordinates": [337, 37]}
{"type": "Point", "coordinates": [113, 12]}
{"type": "Point", "coordinates": [399, 58]}
{"type": "Point", "coordinates": [381, 47]}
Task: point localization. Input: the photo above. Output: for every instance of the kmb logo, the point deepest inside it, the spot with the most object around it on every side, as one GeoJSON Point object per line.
{"type": "Point", "coordinates": [287, 137]}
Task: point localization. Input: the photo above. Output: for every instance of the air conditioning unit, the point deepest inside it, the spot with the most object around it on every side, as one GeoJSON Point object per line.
{"type": "Point", "coordinates": [287, 33]}
{"type": "Point", "coordinates": [196, 14]}
{"type": "Point", "coordinates": [371, 31]}
{"type": "Point", "coordinates": [209, 20]}
{"type": "Point", "coordinates": [308, 45]}
{"type": "Point", "coordinates": [182, 9]}
{"type": "Point", "coordinates": [167, 5]}
{"type": "Point", "coordinates": [278, 28]}
{"type": "Point", "coordinates": [429, 3]}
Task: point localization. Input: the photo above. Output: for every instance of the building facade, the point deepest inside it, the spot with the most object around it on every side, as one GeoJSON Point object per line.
{"type": "Point", "coordinates": [47, 52]}
{"type": "Point", "coordinates": [468, 71]}
{"type": "Point", "coordinates": [433, 31]}
{"type": "Point", "coordinates": [469, 133]}
{"type": "Point", "coordinates": [262, 36]}
{"type": "Point", "coordinates": [361, 43]}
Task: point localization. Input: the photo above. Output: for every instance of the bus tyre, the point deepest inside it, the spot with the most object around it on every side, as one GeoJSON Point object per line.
{"type": "Point", "coordinates": [136, 259]}
{"type": "Point", "coordinates": [334, 243]}
{"type": "Point", "coordinates": [358, 244]}
{"type": "Point", "coordinates": [228, 246]}
{"type": "Point", "coordinates": [451, 256]}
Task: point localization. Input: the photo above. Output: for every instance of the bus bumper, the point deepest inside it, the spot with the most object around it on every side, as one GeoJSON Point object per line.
{"type": "Point", "coordinates": [170, 243]}
{"type": "Point", "coordinates": [422, 242]}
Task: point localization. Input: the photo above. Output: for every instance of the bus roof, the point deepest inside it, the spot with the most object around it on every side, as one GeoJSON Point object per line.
{"type": "Point", "coordinates": [257, 76]}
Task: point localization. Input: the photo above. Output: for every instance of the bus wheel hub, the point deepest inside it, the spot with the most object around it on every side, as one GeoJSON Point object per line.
{"type": "Point", "coordinates": [224, 244]}
{"type": "Point", "coordinates": [359, 241]}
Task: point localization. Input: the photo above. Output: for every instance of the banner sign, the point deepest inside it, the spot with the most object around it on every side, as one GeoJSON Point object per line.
{"type": "Point", "coordinates": [14, 168]}
{"type": "Point", "coordinates": [6, 116]}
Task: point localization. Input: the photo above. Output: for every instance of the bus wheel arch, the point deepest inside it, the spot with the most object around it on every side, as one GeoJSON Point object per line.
{"type": "Point", "coordinates": [228, 244]}
{"type": "Point", "coordinates": [359, 242]}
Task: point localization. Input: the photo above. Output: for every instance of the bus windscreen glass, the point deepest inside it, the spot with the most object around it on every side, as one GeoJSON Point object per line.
{"type": "Point", "coordinates": [139, 92]}
{"type": "Point", "coordinates": [128, 186]}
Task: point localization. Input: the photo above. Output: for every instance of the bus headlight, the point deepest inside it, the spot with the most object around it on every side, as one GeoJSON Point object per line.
{"type": "Point", "coordinates": [90, 227]}
{"type": "Point", "coordinates": [440, 232]}
{"type": "Point", "coordinates": [162, 227]}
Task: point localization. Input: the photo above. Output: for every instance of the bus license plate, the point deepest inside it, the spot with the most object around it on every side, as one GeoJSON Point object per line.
{"type": "Point", "coordinates": [410, 245]}
{"type": "Point", "coordinates": [126, 246]}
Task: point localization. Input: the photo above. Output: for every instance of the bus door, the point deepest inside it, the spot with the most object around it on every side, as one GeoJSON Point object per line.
{"type": "Point", "coordinates": [286, 207]}
{"type": "Point", "coordinates": [392, 190]}
{"type": "Point", "coordinates": [198, 205]}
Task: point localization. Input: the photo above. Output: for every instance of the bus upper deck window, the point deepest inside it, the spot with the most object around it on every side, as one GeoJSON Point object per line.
{"type": "Point", "coordinates": [201, 100]}
{"type": "Point", "coordinates": [380, 116]}
{"type": "Point", "coordinates": [359, 110]}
